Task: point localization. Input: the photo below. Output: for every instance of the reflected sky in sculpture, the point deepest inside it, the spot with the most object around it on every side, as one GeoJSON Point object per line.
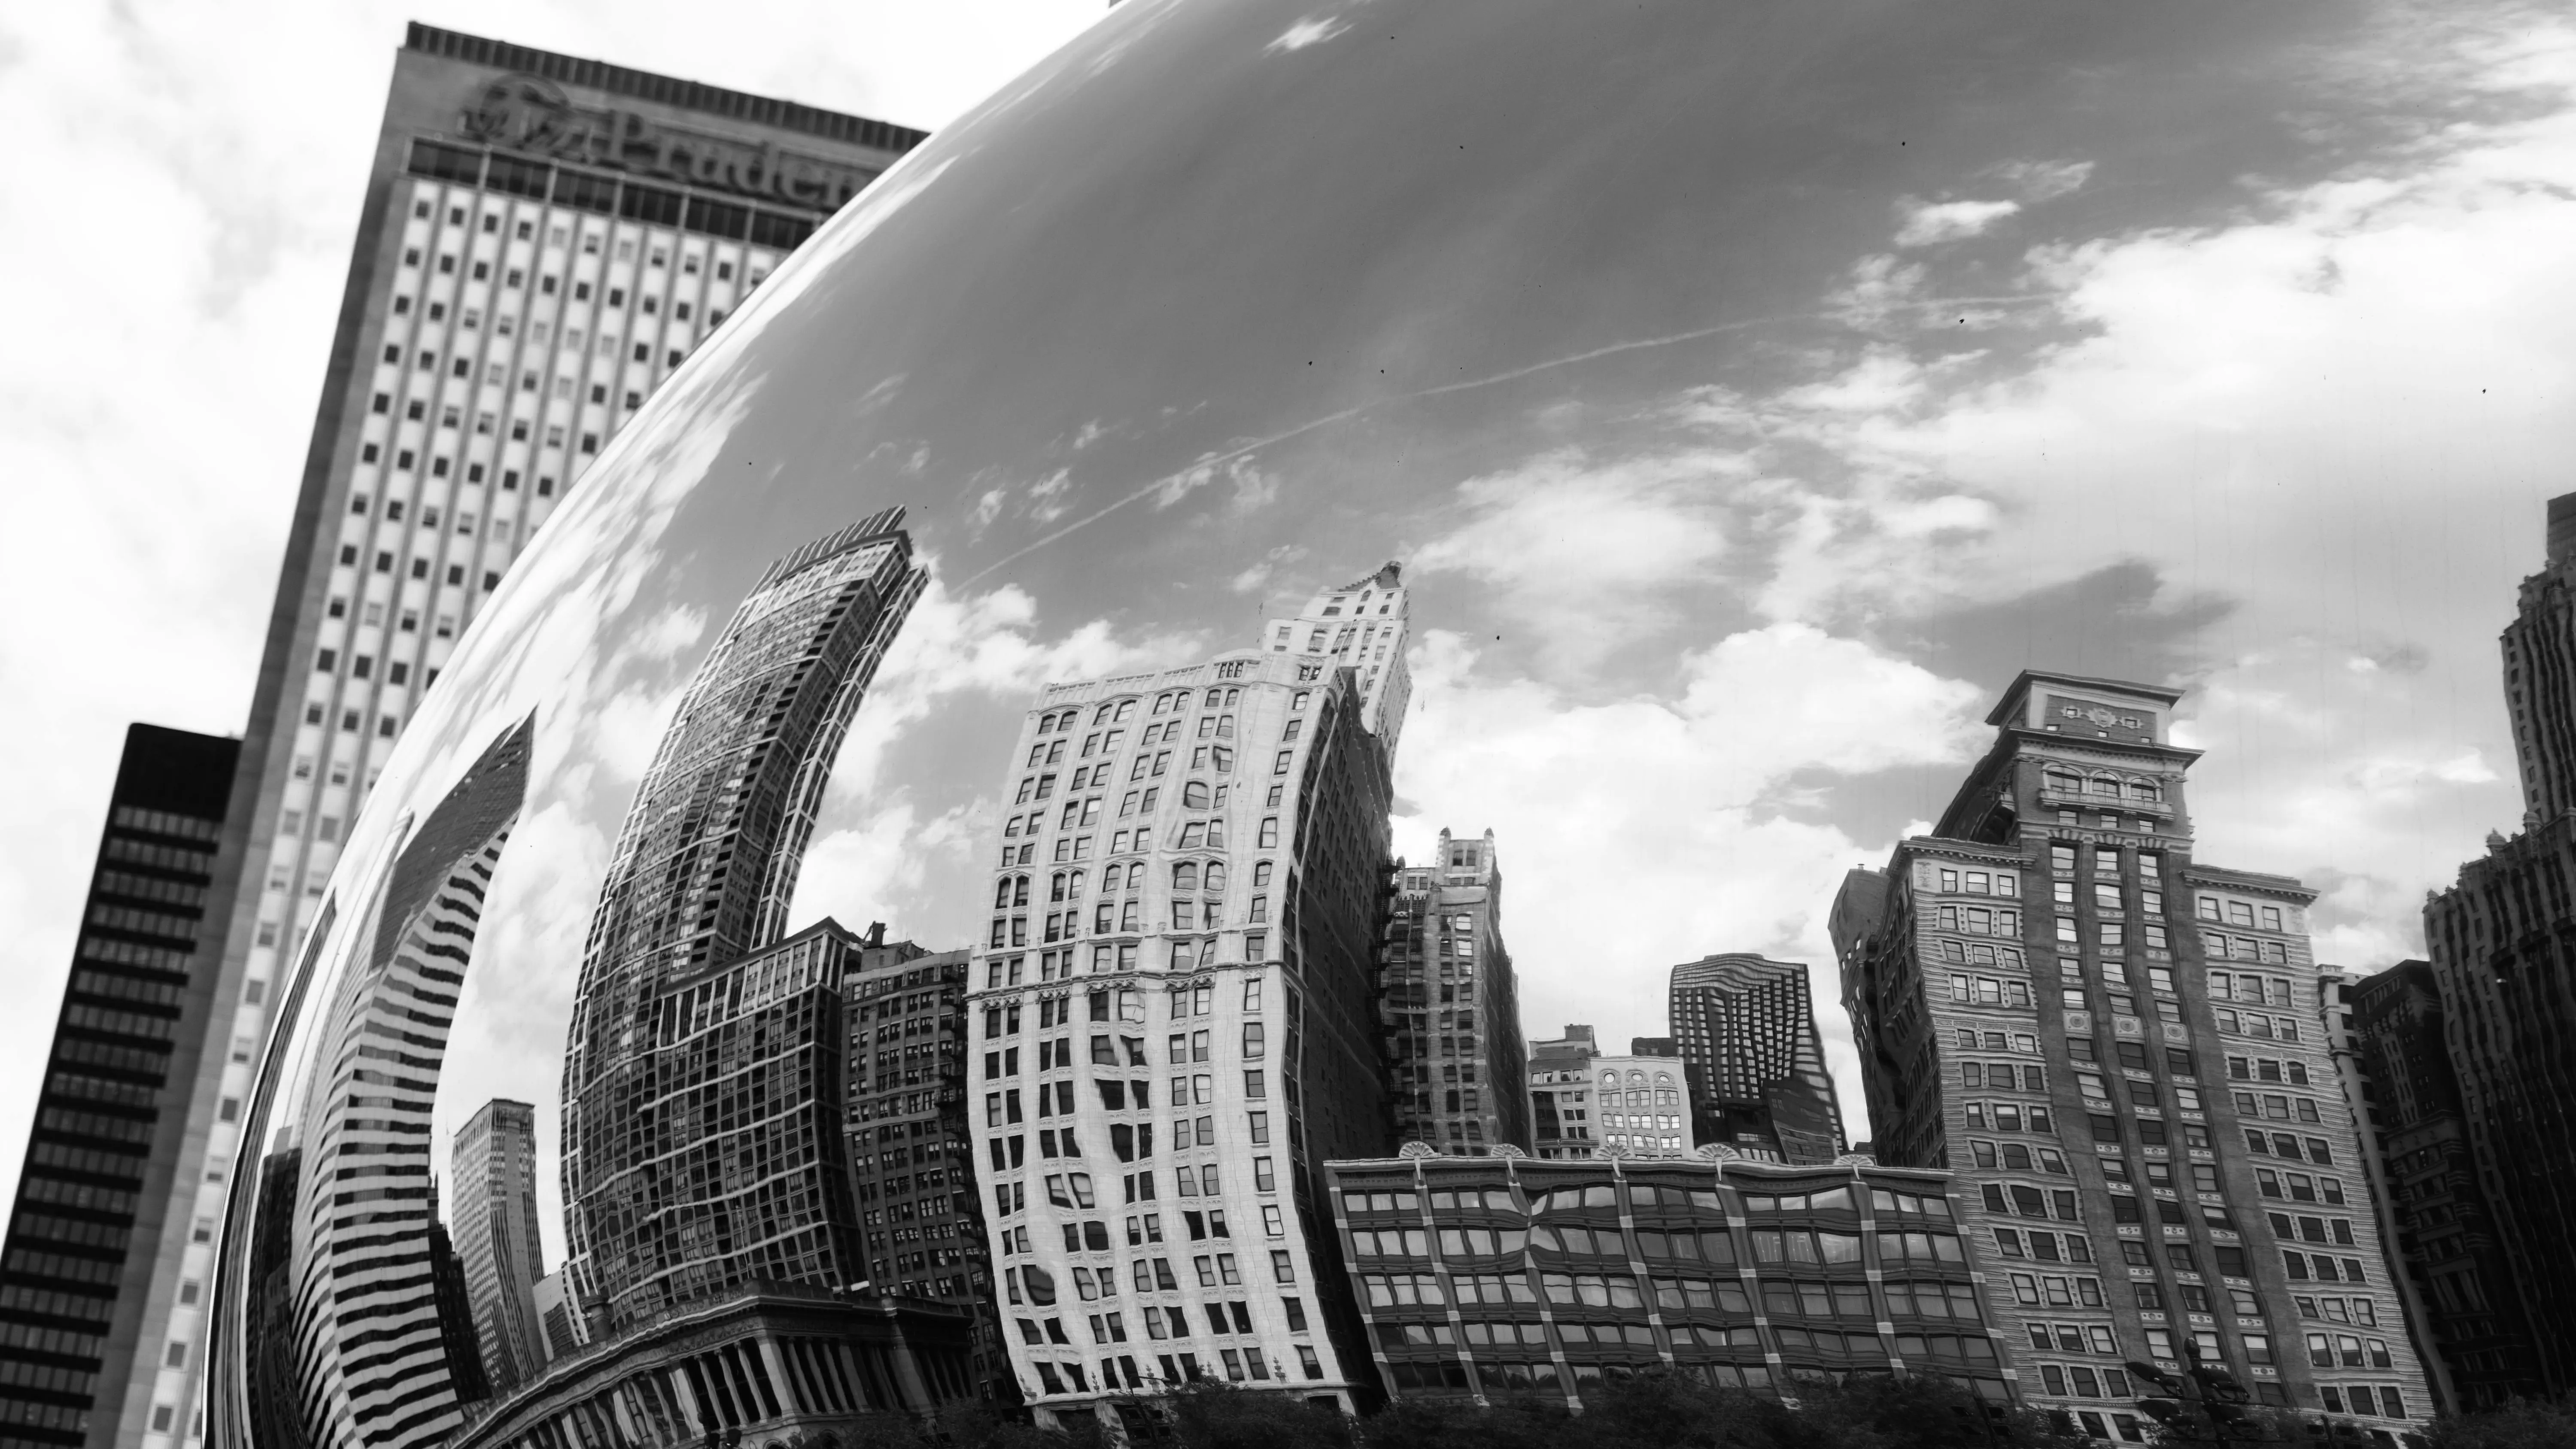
{"type": "Point", "coordinates": [1749, 391]}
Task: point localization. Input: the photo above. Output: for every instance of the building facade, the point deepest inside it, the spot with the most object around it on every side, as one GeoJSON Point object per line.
{"type": "Point", "coordinates": [2461, 1297]}
{"type": "Point", "coordinates": [1451, 1005]}
{"type": "Point", "coordinates": [1502, 1277]}
{"type": "Point", "coordinates": [699, 885]}
{"type": "Point", "coordinates": [2539, 649]}
{"type": "Point", "coordinates": [912, 1152]}
{"type": "Point", "coordinates": [2502, 940]}
{"type": "Point", "coordinates": [776, 1363]}
{"type": "Point", "coordinates": [1361, 627]}
{"type": "Point", "coordinates": [2115, 1046]}
{"type": "Point", "coordinates": [541, 240]}
{"type": "Point", "coordinates": [1178, 1026]}
{"type": "Point", "coordinates": [1640, 1104]}
{"type": "Point", "coordinates": [1561, 1103]}
{"type": "Point", "coordinates": [492, 1224]}
{"type": "Point", "coordinates": [108, 1142]}
{"type": "Point", "coordinates": [1746, 1029]}
{"type": "Point", "coordinates": [372, 1356]}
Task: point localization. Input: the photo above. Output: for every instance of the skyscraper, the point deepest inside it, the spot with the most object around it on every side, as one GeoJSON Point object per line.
{"type": "Point", "coordinates": [2115, 1048]}
{"type": "Point", "coordinates": [111, 1119]}
{"type": "Point", "coordinates": [540, 240]}
{"type": "Point", "coordinates": [1747, 1031]}
{"type": "Point", "coordinates": [1561, 1102]}
{"type": "Point", "coordinates": [492, 1187]}
{"type": "Point", "coordinates": [912, 1149]}
{"type": "Point", "coordinates": [2465, 1306]}
{"type": "Point", "coordinates": [2540, 673]}
{"type": "Point", "coordinates": [373, 1352]}
{"type": "Point", "coordinates": [1360, 626]}
{"type": "Point", "coordinates": [704, 871]}
{"type": "Point", "coordinates": [1178, 1025]}
{"type": "Point", "coordinates": [2506, 976]}
{"type": "Point", "coordinates": [1452, 1007]}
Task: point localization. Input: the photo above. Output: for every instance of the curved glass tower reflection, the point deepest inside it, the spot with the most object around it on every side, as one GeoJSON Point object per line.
{"type": "Point", "coordinates": [658, 1209]}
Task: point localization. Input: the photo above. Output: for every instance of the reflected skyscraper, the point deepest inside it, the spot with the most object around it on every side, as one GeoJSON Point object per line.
{"type": "Point", "coordinates": [701, 880]}
{"type": "Point", "coordinates": [1178, 1022]}
{"type": "Point", "coordinates": [368, 1331]}
{"type": "Point", "coordinates": [492, 1172]}
{"type": "Point", "coordinates": [1746, 1029]}
{"type": "Point", "coordinates": [2115, 1046]}
{"type": "Point", "coordinates": [1452, 1006]}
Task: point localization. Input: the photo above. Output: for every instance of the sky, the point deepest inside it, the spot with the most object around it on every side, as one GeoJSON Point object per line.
{"type": "Point", "coordinates": [1748, 398]}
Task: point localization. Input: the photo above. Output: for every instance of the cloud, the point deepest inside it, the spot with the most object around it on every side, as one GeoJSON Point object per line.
{"type": "Point", "coordinates": [1313, 30]}
{"type": "Point", "coordinates": [1258, 576]}
{"type": "Point", "coordinates": [884, 868]}
{"type": "Point", "coordinates": [2039, 181]}
{"type": "Point", "coordinates": [1583, 550]}
{"type": "Point", "coordinates": [1929, 222]}
{"type": "Point", "coordinates": [1642, 832]}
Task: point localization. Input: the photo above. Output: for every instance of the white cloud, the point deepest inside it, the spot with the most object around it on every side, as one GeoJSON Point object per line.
{"type": "Point", "coordinates": [1584, 550]}
{"type": "Point", "coordinates": [1636, 834]}
{"type": "Point", "coordinates": [1313, 30]}
{"type": "Point", "coordinates": [1260, 574]}
{"type": "Point", "coordinates": [882, 868]}
{"type": "Point", "coordinates": [1928, 222]}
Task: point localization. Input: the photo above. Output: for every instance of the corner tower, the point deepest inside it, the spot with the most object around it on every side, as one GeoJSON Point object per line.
{"type": "Point", "coordinates": [2117, 1049]}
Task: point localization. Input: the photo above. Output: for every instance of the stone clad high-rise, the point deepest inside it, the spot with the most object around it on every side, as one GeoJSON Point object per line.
{"type": "Point", "coordinates": [2115, 1048]}
{"type": "Point", "coordinates": [1452, 1005]}
{"type": "Point", "coordinates": [1746, 1028]}
{"type": "Point", "coordinates": [700, 881]}
{"type": "Point", "coordinates": [541, 240]}
{"type": "Point", "coordinates": [1175, 1017]}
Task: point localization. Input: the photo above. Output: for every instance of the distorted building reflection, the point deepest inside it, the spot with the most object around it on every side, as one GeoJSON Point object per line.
{"type": "Point", "coordinates": [702, 877]}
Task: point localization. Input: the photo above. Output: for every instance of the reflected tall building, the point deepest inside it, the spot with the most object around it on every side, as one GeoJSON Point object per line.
{"type": "Point", "coordinates": [1362, 627]}
{"type": "Point", "coordinates": [2115, 1048]}
{"type": "Point", "coordinates": [540, 241]}
{"type": "Point", "coordinates": [492, 1173]}
{"type": "Point", "coordinates": [1562, 1108]}
{"type": "Point", "coordinates": [1451, 1006]}
{"type": "Point", "coordinates": [2505, 973]}
{"type": "Point", "coordinates": [371, 1343]}
{"type": "Point", "coordinates": [684, 961]}
{"type": "Point", "coordinates": [912, 1148]}
{"type": "Point", "coordinates": [1746, 1028]}
{"type": "Point", "coordinates": [1176, 1016]}
{"type": "Point", "coordinates": [2465, 1306]}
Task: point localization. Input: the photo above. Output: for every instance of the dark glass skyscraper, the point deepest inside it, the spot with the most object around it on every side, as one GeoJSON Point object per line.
{"type": "Point", "coordinates": [1746, 1028]}
{"type": "Point", "coordinates": [107, 1139]}
{"type": "Point", "coordinates": [2503, 947]}
{"type": "Point", "coordinates": [2471, 1309]}
{"type": "Point", "coordinates": [702, 878]}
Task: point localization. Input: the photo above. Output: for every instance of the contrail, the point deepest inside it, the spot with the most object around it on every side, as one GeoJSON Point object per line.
{"type": "Point", "coordinates": [1640, 344]}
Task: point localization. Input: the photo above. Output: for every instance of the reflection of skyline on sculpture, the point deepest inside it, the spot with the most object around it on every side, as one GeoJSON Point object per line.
{"type": "Point", "coordinates": [368, 1335]}
{"type": "Point", "coordinates": [704, 871]}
